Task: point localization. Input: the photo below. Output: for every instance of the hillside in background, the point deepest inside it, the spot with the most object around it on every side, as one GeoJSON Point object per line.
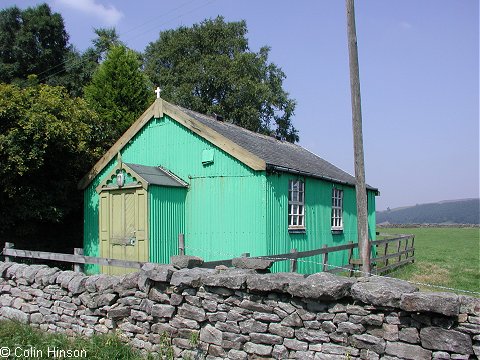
{"type": "Point", "coordinates": [465, 211]}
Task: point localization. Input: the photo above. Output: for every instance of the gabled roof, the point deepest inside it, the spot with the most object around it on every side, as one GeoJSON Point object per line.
{"type": "Point", "coordinates": [257, 151]}
{"type": "Point", "coordinates": [155, 175]}
{"type": "Point", "coordinates": [277, 154]}
{"type": "Point", "coordinates": [140, 175]}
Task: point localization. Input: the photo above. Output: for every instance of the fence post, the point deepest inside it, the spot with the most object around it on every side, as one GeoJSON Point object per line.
{"type": "Point", "coordinates": [293, 262]}
{"type": "Point", "coordinates": [406, 248]}
{"type": "Point", "coordinates": [350, 257]}
{"type": "Point", "coordinates": [325, 260]}
{"type": "Point", "coordinates": [8, 245]}
{"type": "Point", "coordinates": [385, 253]}
{"type": "Point", "coordinates": [413, 249]}
{"type": "Point", "coordinates": [398, 249]}
{"type": "Point", "coordinates": [76, 266]}
{"type": "Point", "coordinates": [181, 244]}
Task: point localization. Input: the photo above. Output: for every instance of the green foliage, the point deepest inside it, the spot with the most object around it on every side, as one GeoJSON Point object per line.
{"type": "Point", "coordinates": [443, 256]}
{"type": "Point", "coordinates": [32, 41]}
{"type": "Point", "coordinates": [48, 141]}
{"type": "Point", "coordinates": [80, 67]}
{"type": "Point", "coordinates": [166, 349]}
{"type": "Point", "coordinates": [99, 347]}
{"type": "Point", "coordinates": [194, 338]}
{"type": "Point", "coordinates": [119, 90]}
{"type": "Point", "coordinates": [105, 40]}
{"type": "Point", "coordinates": [209, 68]}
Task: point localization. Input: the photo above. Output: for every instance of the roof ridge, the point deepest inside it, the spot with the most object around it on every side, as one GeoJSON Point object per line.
{"type": "Point", "coordinates": [253, 149]}
{"type": "Point", "coordinates": [228, 123]}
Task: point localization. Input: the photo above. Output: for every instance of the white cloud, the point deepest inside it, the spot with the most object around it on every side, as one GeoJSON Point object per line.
{"type": "Point", "coordinates": [108, 13]}
{"type": "Point", "coordinates": [406, 25]}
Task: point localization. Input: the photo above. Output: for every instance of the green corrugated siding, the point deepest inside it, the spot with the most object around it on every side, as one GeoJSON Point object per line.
{"type": "Point", "coordinates": [166, 221]}
{"type": "Point", "coordinates": [225, 217]}
{"type": "Point", "coordinates": [166, 143]}
{"type": "Point", "coordinates": [90, 226]}
{"type": "Point", "coordinates": [229, 209]}
{"type": "Point", "coordinates": [372, 220]}
{"type": "Point", "coordinates": [318, 200]}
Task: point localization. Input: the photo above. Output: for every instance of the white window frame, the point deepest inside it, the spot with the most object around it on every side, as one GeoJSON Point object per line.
{"type": "Point", "coordinates": [296, 204]}
{"type": "Point", "coordinates": [337, 209]}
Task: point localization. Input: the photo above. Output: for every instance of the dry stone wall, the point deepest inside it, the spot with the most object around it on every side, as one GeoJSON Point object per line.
{"type": "Point", "coordinates": [241, 314]}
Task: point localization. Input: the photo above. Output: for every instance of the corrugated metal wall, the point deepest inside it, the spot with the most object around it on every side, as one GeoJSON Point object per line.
{"type": "Point", "coordinates": [225, 217]}
{"type": "Point", "coordinates": [90, 226]}
{"type": "Point", "coordinates": [372, 219]}
{"type": "Point", "coordinates": [217, 214]}
{"type": "Point", "coordinates": [166, 221]}
{"type": "Point", "coordinates": [229, 209]}
{"type": "Point", "coordinates": [318, 200]}
{"type": "Point", "coordinates": [165, 142]}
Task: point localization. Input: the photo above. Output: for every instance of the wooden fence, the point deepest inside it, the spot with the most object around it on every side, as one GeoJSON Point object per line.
{"type": "Point", "coordinates": [391, 253]}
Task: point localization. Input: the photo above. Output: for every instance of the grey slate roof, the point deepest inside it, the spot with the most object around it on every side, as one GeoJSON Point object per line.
{"type": "Point", "coordinates": [282, 155]}
{"type": "Point", "coordinates": [157, 176]}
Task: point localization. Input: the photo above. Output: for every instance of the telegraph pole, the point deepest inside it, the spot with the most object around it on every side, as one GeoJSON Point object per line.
{"type": "Point", "coordinates": [360, 186]}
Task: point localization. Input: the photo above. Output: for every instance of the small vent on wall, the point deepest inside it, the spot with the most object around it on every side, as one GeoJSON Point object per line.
{"type": "Point", "coordinates": [207, 156]}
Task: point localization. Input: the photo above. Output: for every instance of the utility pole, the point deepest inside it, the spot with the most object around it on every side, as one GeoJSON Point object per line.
{"type": "Point", "coordinates": [360, 185]}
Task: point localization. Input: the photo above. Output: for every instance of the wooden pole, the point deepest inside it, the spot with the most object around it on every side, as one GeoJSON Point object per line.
{"type": "Point", "coordinates": [76, 266]}
{"type": "Point", "coordinates": [360, 185]}
{"type": "Point", "coordinates": [8, 245]}
{"type": "Point", "coordinates": [181, 244]}
{"type": "Point", "coordinates": [325, 259]}
{"type": "Point", "coordinates": [293, 262]}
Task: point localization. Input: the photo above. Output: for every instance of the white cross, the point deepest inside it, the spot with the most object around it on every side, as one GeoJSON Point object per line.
{"type": "Point", "coordinates": [157, 91]}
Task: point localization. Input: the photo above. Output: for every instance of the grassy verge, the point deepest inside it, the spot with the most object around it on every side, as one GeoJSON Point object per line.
{"type": "Point", "coordinates": [447, 257]}
{"type": "Point", "coordinates": [25, 342]}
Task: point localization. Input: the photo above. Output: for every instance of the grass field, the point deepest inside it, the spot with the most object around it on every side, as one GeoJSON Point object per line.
{"type": "Point", "coordinates": [447, 257]}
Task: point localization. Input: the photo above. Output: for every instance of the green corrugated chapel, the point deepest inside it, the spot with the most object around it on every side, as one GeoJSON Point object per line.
{"type": "Point", "coordinates": [228, 190]}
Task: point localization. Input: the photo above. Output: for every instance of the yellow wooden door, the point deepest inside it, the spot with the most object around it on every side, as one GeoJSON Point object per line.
{"type": "Point", "coordinates": [123, 227]}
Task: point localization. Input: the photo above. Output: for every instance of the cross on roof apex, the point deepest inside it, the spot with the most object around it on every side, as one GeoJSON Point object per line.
{"type": "Point", "coordinates": [158, 91]}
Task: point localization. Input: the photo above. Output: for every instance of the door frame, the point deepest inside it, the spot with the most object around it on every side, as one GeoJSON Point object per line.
{"type": "Point", "coordinates": [105, 214]}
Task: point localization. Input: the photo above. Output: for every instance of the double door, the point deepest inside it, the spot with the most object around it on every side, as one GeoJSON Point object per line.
{"type": "Point", "coordinates": [123, 227]}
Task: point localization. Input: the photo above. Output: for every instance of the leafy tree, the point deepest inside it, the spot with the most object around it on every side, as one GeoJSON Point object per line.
{"type": "Point", "coordinates": [47, 142]}
{"type": "Point", "coordinates": [209, 68]}
{"type": "Point", "coordinates": [106, 39]}
{"type": "Point", "coordinates": [32, 41]}
{"type": "Point", "coordinates": [80, 67]}
{"type": "Point", "coordinates": [119, 90]}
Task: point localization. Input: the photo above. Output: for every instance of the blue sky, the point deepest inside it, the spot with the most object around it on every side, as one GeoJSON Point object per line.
{"type": "Point", "coordinates": [419, 75]}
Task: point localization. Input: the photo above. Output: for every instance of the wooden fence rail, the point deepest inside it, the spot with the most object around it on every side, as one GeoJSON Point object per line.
{"type": "Point", "coordinates": [9, 251]}
{"type": "Point", "coordinates": [403, 253]}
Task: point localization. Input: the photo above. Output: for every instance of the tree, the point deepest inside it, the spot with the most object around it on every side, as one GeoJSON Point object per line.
{"type": "Point", "coordinates": [80, 67]}
{"type": "Point", "coordinates": [47, 142]}
{"type": "Point", "coordinates": [106, 39]}
{"type": "Point", "coordinates": [32, 41]}
{"type": "Point", "coordinates": [210, 69]}
{"type": "Point", "coordinates": [119, 90]}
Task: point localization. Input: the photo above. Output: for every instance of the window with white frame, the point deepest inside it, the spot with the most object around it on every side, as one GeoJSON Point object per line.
{"type": "Point", "coordinates": [337, 209]}
{"type": "Point", "coordinates": [296, 204]}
